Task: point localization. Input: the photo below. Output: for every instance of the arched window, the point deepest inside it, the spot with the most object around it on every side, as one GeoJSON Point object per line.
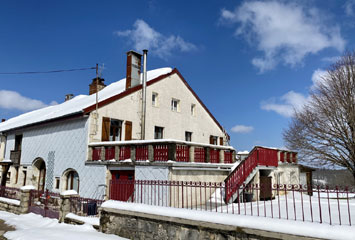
{"type": "Point", "coordinates": [72, 181]}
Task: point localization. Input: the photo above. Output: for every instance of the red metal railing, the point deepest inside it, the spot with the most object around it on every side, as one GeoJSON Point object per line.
{"type": "Point", "coordinates": [199, 154]}
{"type": "Point", "coordinates": [214, 156]}
{"type": "Point", "coordinates": [85, 206]}
{"type": "Point", "coordinates": [282, 156]}
{"type": "Point", "coordinates": [182, 153]}
{"type": "Point", "coordinates": [161, 153]}
{"type": "Point", "coordinates": [96, 153]}
{"type": "Point", "coordinates": [228, 156]}
{"type": "Point", "coordinates": [109, 153]}
{"type": "Point", "coordinates": [125, 152]}
{"type": "Point", "coordinates": [8, 192]}
{"type": "Point", "coordinates": [257, 157]}
{"type": "Point", "coordinates": [141, 153]}
{"type": "Point", "coordinates": [335, 206]}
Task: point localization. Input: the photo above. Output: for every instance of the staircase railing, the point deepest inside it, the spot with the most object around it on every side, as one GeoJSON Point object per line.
{"type": "Point", "coordinates": [257, 157]}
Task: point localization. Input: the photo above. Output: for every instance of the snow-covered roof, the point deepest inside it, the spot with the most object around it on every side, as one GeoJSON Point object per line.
{"type": "Point", "coordinates": [243, 152]}
{"type": "Point", "coordinates": [73, 106]}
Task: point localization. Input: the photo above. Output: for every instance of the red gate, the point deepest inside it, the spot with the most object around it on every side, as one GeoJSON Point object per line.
{"type": "Point", "coordinates": [44, 203]}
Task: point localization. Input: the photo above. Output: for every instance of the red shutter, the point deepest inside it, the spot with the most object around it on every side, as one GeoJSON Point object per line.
{"type": "Point", "coordinates": [105, 129]}
{"type": "Point", "coordinates": [221, 141]}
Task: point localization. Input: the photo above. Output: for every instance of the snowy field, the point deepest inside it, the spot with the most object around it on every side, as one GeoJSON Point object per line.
{"type": "Point", "coordinates": [35, 227]}
{"type": "Point", "coordinates": [309, 229]}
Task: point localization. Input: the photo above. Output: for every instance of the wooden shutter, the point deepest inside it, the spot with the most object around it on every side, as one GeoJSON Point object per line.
{"type": "Point", "coordinates": [128, 130]}
{"type": "Point", "coordinates": [211, 139]}
{"type": "Point", "coordinates": [221, 141]}
{"type": "Point", "coordinates": [105, 129]}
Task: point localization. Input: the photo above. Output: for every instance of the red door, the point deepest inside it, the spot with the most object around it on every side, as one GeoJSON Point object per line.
{"type": "Point", "coordinates": [122, 185]}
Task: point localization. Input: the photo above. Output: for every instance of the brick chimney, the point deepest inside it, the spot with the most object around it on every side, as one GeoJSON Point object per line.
{"type": "Point", "coordinates": [100, 85]}
{"type": "Point", "coordinates": [3, 120]}
{"type": "Point", "coordinates": [133, 75]}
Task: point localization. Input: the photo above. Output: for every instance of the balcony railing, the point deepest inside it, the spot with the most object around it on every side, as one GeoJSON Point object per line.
{"type": "Point", "coordinates": [15, 156]}
{"type": "Point", "coordinates": [161, 150]}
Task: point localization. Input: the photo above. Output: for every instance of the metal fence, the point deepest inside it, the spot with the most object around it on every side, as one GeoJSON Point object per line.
{"type": "Point", "coordinates": [8, 192]}
{"type": "Point", "coordinates": [332, 205]}
{"type": "Point", "coordinates": [85, 206]}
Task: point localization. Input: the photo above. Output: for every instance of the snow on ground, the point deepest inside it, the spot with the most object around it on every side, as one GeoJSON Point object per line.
{"type": "Point", "coordinates": [276, 225]}
{"type": "Point", "coordinates": [298, 206]}
{"type": "Point", "coordinates": [35, 227]}
{"type": "Point", "coordinates": [89, 220]}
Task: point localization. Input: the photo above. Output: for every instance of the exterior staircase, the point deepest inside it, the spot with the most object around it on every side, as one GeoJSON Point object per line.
{"type": "Point", "coordinates": [258, 158]}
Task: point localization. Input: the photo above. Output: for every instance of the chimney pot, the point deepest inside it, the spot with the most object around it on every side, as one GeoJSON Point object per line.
{"type": "Point", "coordinates": [133, 74]}
{"type": "Point", "coordinates": [100, 85]}
{"type": "Point", "coordinates": [68, 96]}
{"type": "Point", "coordinates": [3, 120]}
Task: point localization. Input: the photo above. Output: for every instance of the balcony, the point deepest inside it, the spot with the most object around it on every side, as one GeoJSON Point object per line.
{"type": "Point", "coordinates": [159, 151]}
{"type": "Point", "coordinates": [15, 156]}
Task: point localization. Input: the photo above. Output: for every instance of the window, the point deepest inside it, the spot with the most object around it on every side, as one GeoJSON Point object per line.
{"type": "Point", "coordinates": [72, 181]}
{"type": "Point", "coordinates": [111, 129]}
{"type": "Point", "coordinates": [155, 99]}
{"type": "Point", "coordinates": [57, 182]}
{"type": "Point", "coordinates": [213, 140]}
{"type": "Point", "coordinates": [193, 107]}
{"type": "Point", "coordinates": [158, 133]}
{"type": "Point", "coordinates": [175, 105]}
{"type": "Point", "coordinates": [188, 136]}
{"type": "Point", "coordinates": [18, 142]}
{"type": "Point", "coordinates": [115, 130]}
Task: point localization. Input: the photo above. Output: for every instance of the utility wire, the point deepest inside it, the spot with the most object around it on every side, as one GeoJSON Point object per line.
{"type": "Point", "coordinates": [53, 71]}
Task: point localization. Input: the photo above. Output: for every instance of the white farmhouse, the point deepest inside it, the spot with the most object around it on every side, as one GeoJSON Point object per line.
{"type": "Point", "coordinates": [88, 140]}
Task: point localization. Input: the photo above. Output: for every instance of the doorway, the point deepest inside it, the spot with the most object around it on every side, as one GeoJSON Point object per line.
{"type": "Point", "coordinates": [122, 185]}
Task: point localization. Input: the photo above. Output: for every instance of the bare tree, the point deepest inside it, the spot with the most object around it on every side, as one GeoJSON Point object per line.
{"type": "Point", "coordinates": [323, 131]}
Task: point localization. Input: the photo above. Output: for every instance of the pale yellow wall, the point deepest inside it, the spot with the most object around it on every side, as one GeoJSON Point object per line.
{"type": "Point", "coordinates": [175, 123]}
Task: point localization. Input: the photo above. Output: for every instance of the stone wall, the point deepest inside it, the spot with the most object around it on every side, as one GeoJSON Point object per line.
{"type": "Point", "coordinates": [16, 206]}
{"type": "Point", "coordinates": [137, 225]}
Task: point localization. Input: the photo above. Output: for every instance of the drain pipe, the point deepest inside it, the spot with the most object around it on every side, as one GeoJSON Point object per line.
{"type": "Point", "coordinates": [144, 93]}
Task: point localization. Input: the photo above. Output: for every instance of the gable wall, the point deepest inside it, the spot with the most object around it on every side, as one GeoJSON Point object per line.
{"type": "Point", "coordinates": [175, 123]}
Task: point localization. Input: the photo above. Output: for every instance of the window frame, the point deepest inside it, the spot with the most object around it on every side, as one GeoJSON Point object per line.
{"type": "Point", "coordinates": [155, 132]}
{"type": "Point", "coordinates": [172, 105]}
{"type": "Point", "coordinates": [186, 136]}
{"type": "Point", "coordinates": [155, 99]}
{"type": "Point", "coordinates": [193, 109]}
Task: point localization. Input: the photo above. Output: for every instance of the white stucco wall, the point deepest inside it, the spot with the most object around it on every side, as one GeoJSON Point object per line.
{"type": "Point", "coordinates": [61, 145]}
{"type": "Point", "coordinates": [175, 123]}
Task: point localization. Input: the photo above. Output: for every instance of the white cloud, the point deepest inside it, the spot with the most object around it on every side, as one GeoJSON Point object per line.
{"type": "Point", "coordinates": [286, 104]}
{"type": "Point", "coordinates": [242, 129]}
{"type": "Point", "coordinates": [331, 59]}
{"type": "Point", "coordinates": [349, 7]}
{"type": "Point", "coordinates": [284, 32]}
{"type": "Point", "coordinates": [14, 100]}
{"type": "Point", "coordinates": [318, 77]}
{"type": "Point", "coordinates": [142, 36]}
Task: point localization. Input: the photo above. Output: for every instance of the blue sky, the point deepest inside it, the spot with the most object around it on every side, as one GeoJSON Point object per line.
{"type": "Point", "coordinates": [251, 62]}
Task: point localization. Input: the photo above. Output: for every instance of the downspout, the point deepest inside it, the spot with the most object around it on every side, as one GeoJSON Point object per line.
{"type": "Point", "coordinates": [144, 93]}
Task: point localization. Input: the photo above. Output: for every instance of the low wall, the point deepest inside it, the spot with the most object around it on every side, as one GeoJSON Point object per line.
{"type": "Point", "coordinates": [138, 225]}
{"type": "Point", "coordinates": [16, 206]}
